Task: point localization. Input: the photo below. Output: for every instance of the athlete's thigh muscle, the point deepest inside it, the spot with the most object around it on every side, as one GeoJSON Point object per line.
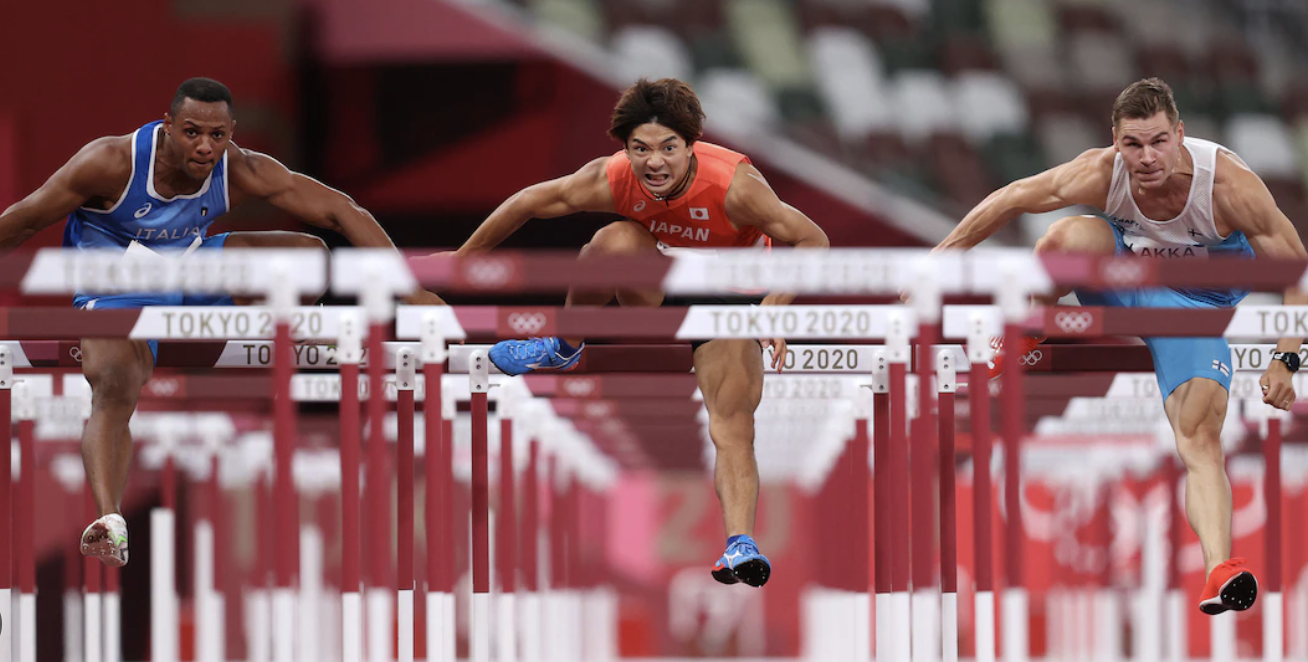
{"type": "Point", "coordinates": [730, 374]}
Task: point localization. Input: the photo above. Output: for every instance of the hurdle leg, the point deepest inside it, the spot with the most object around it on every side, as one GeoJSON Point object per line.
{"type": "Point", "coordinates": [897, 349]}
{"type": "Point", "coordinates": [163, 568]}
{"type": "Point", "coordinates": [349, 353]}
{"type": "Point", "coordinates": [1273, 602]}
{"type": "Point", "coordinates": [506, 547]}
{"type": "Point", "coordinates": [113, 616]}
{"type": "Point", "coordinates": [25, 541]}
{"type": "Point", "coordinates": [438, 477]}
{"type": "Point", "coordinates": [479, 380]}
{"type": "Point", "coordinates": [406, 382]}
{"type": "Point", "coordinates": [532, 644]}
{"type": "Point", "coordinates": [91, 635]}
{"type": "Point", "coordinates": [946, 384]}
{"type": "Point", "coordinates": [978, 396]}
{"type": "Point", "coordinates": [73, 620]}
{"type": "Point", "coordinates": [6, 474]}
{"type": "Point", "coordinates": [881, 513]}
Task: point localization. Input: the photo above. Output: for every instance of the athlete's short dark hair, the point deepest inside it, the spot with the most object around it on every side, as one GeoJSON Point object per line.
{"type": "Point", "coordinates": [206, 90]}
{"type": "Point", "coordinates": [1144, 99]}
{"type": "Point", "coordinates": [666, 101]}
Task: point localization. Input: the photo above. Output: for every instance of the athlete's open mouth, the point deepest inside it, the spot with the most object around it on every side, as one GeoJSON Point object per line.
{"type": "Point", "coordinates": [658, 180]}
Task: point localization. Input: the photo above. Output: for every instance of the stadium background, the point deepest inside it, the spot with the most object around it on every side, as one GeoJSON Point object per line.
{"type": "Point", "coordinates": [884, 120]}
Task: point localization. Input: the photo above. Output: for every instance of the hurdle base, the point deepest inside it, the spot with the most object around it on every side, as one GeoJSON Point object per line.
{"type": "Point", "coordinates": [949, 627]}
{"type": "Point", "coordinates": [91, 623]}
{"type": "Point", "coordinates": [113, 628]}
{"type": "Point", "coordinates": [404, 603]}
{"type": "Point", "coordinates": [481, 630]}
{"type": "Point", "coordinates": [351, 627]}
{"type": "Point", "coordinates": [1273, 605]}
{"type": "Point", "coordinates": [1016, 636]}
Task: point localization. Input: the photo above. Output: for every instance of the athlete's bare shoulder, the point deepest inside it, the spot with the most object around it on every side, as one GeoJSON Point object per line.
{"type": "Point", "coordinates": [1087, 178]}
{"type": "Point", "coordinates": [588, 188]}
{"type": "Point", "coordinates": [101, 169]}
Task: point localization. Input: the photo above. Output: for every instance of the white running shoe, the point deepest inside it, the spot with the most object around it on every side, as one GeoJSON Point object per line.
{"type": "Point", "coordinates": [106, 539]}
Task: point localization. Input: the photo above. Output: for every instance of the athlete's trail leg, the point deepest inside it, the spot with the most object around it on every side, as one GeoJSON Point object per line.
{"type": "Point", "coordinates": [116, 369]}
{"type": "Point", "coordinates": [617, 238]}
{"type": "Point", "coordinates": [730, 374]}
{"type": "Point", "coordinates": [1075, 234]}
{"type": "Point", "coordinates": [1196, 410]}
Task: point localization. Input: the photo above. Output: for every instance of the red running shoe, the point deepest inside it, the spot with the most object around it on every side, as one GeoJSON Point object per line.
{"type": "Point", "coordinates": [1029, 343]}
{"type": "Point", "coordinates": [1230, 587]}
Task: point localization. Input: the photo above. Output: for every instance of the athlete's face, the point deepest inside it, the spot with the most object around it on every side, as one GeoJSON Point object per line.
{"type": "Point", "coordinates": [659, 157]}
{"type": "Point", "coordinates": [199, 134]}
{"type": "Point", "coordinates": [1150, 147]}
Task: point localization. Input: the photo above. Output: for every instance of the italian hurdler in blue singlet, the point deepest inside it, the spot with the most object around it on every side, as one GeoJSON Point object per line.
{"type": "Point", "coordinates": [159, 188]}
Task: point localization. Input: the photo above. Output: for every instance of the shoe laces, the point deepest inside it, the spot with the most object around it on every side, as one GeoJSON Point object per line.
{"type": "Point", "coordinates": [529, 349]}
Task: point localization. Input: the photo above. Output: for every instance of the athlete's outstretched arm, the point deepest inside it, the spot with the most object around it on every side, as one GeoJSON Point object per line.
{"type": "Point", "coordinates": [89, 173]}
{"type": "Point", "coordinates": [1243, 201]}
{"type": "Point", "coordinates": [260, 176]}
{"type": "Point", "coordinates": [1084, 180]}
{"type": "Point", "coordinates": [584, 190]}
{"type": "Point", "coordinates": [752, 202]}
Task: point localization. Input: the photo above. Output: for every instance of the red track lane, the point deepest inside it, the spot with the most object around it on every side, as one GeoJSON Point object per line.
{"type": "Point", "coordinates": [480, 495]}
{"type": "Point", "coordinates": [378, 497]}
{"type": "Point", "coordinates": [1012, 426]}
{"type": "Point", "coordinates": [1272, 494]}
{"type": "Point", "coordinates": [26, 524]}
{"type": "Point", "coordinates": [529, 539]}
{"type": "Point", "coordinates": [982, 540]}
{"type": "Point", "coordinates": [882, 549]}
{"type": "Point", "coordinates": [350, 518]}
{"type": "Point", "coordinates": [948, 507]}
{"type": "Point", "coordinates": [404, 487]}
{"type": "Point", "coordinates": [923, 464]}
{"type": "Point", "coordinates": [900, 573]}
{"type": "Point", "coordinates": [506, 543]}
{"type": "Point", "coordinates": [284, 492]}
{"type": "Point", "coordinates": [6, 503]}
{"type": "Point", "coordinates": [438, 545]}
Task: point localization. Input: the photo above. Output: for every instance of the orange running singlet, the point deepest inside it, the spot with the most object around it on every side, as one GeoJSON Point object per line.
{"type": "Point", "coordinates": [697, 219]}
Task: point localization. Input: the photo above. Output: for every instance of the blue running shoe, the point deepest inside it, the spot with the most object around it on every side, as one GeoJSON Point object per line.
{"type": "Point", "coordinates": [742, 562]}
{"type": "Point", "coordinates": [514, 357]}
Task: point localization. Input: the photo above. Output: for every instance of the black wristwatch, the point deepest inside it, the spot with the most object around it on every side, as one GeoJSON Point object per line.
{"type": "Point", "coordinates": [1290, 359]}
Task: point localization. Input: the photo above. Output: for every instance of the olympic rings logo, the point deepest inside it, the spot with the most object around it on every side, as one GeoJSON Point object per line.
{"type": "Point", "coordinates": [164, 388]}
{"type": "Point", "coordinates": [527, 323]}
{"type": "Point", "coordinates": [599, 410]}
{"type": "Point", "coordinates": [75, 352]}
{"type": "Point", "coordinates": [489, 272]}
{"type": "Point", "coordinates": [1032, 357]}
{"type": "Point", "coordinates": [1077, 322]}
{"type": "Point", "coordinates": [1123, 272]}
{"type": "Point", "coordinates": [579, 388]}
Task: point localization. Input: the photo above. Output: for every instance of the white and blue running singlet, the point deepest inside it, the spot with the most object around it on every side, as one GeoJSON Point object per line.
{"type": "Point", "coordinates": [1192, 234]}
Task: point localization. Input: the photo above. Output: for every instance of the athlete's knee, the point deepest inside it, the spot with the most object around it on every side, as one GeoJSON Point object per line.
{"type": "Point", "coordinates": [1199, 438]}
{"type": "Point", "coordinates": [115, 386]}
{"type": "Point", "coordinates": [1077, 234]}
{"type": "Point", "coordinates": [621, 237]}
{"type": "Point", "coordinates": [732, 428]}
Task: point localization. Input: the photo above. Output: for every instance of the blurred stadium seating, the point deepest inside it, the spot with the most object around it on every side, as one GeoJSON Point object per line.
{"type": "Point", "coordinates": [951, 98]}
